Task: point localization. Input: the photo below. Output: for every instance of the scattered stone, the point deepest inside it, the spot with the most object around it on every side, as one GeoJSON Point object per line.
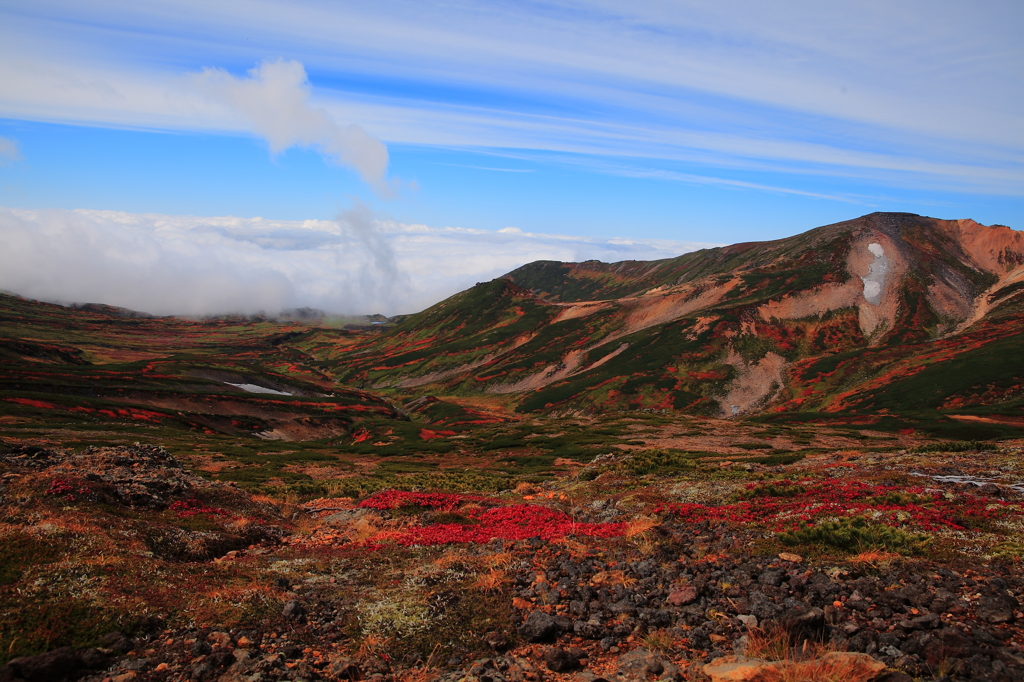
{"type": "Point", "coordinates": [293, 610]}
{"type": "Point", "coordinates": [687, 594]}
{"type": "Point", "coordinates": [221, 639]}
{"type": "Point", "coordinates": [804, 623]}
{"type": "Point", "coordinates": [136, 664]}
{"type": "Point", "coordinates": [498, 642]}
{"type": "Point", "coordinates": [201, 648]}
{"type": "Point", "coordinates": [116, 642]}
{"type": "Point", "coordinates": [748, 621]}
{"type": "Point", "coordinates": [997, 608]}
{"type": "Point", "coordinates": [53, 665]}
{"type": "Point", "coordinates": [640, 663]}
{"type": "Point", "coordinates": [346, 669]}
{"type": "Point", "coordinates": [559, 660]}
{"type": "Point", "coordinates": [736, 669]}
{"type": "Point", "coordinates": [539, 627]}
{"type": "Point", "coordinates": [94, 659]}
{"type": "Point", "coordinates": [589, 676]}
{"type": "Point", "coordinates": [346, 516]}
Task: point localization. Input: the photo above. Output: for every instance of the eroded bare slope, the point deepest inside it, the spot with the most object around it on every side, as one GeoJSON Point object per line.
{"type": "Point", "coordinates": [721, 331]}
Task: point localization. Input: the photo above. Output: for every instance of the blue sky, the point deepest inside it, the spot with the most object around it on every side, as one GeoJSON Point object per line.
{"type": "Point", "coordinates": [689, 122]}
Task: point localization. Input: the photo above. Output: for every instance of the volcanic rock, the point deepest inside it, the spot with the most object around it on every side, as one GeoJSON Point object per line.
{"type": "Point", "coordinates": [559, 660]}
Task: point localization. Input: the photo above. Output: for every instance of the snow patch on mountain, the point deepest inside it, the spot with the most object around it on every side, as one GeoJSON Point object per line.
{"type": "Point", "coordinates": [875, 279]}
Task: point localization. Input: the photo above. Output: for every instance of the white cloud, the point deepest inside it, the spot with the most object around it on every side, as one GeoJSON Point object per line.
{"type": "Point", "coordinates": [274, 99]}
{"type": "Point", "coordinates": [194, 265]}
{"type": "Point", "coordinates": [272, 102]}
{"type": "Point", "coordinates": [923, 93]}
{"type": "Point", "coordinates": [9, 150]}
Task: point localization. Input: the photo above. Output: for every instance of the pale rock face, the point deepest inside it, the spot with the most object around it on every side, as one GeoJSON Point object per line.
{"type": "Point", "coordinates": [875, 279]}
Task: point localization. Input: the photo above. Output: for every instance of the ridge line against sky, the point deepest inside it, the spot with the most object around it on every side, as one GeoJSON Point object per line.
{"type": "Point", "coordinates": [357, 263]}
{"type": "Point", "coordinates": [679, 120]}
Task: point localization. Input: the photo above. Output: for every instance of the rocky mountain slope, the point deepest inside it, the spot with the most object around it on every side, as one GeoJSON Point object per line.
{"type": "Point", "coordinates": [887, 312]}
{"type": "Point", "coordinates": [508, 487]}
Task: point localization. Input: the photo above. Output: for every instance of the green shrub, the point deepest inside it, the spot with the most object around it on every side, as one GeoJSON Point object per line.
{"type": "Point", "coordinates": [772, 490]}
{"type": "Point", "coordinates": [778, 459]}
{"type": "Point", "coordinates": [900, 499]}
{"type": "Point", "coordinates": [1010, 550]}
{"type": "Point", "coordinates": [658, 461]}
{"type": "Point", "coordinates": [456, 481]}
{"type": "Point", "coordinates": [856, 534]}
{"type": "Point", "coordinates": [399, 615]}
{"type": "Point", "coordinates": [954, 446]}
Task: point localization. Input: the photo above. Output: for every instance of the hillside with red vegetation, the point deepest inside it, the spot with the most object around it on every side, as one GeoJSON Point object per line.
{"type": "Point", "coordinates": [886, 314]}
{"type": "Point", "coordinates": [797, 460]}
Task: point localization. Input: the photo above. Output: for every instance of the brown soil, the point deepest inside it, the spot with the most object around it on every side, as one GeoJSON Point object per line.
{"type": "Point", "coordinates": [993, 248]}
{"type": "Point", "coordinates": [995, 419]}
{"type": "Point", "coordinates": [576, 310]}
{"type": "Point", "coordinates": [756, 384]}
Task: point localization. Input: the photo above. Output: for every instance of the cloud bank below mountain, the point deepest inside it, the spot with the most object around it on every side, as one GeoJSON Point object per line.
{"type": "Point", "coordinates": [189, 265]}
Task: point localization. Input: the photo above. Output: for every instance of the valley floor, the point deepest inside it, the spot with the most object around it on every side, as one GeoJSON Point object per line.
{"type": "Point", "coordinates": [647, 563]}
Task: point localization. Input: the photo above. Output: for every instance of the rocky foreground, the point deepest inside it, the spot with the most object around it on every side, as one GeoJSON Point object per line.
{"type": "Point", "coordinates": [190, 579]}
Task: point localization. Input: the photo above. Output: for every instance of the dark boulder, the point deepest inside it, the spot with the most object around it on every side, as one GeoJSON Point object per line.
{"type": "Point", "coordinates": [559, 660]}
{"type": "Point", "coordinates": [293, 610]}
{"type": "Point", "coordinates": [997, 608]}
{"type": "Point", "coordinates": [59, 664]}
{"type": "Point", "coordinates": [639, 663]}
{"type": "Point", "coordinates": [539, 627]}
{"type": "Point", "coordinates": [805, 623]}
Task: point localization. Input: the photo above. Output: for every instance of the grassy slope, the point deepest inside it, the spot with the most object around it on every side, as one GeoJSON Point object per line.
{"type": "Point", "coordinates": [83, 368]}
{"type": "Point", "coordinates": [680, 365]}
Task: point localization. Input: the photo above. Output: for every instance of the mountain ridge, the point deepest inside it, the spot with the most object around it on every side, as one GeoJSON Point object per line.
{"type": "Point", "coordinates": [729, 323]}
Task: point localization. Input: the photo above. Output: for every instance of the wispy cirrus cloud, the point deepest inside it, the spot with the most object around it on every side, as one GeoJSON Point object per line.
{"type": "Point", "coordinates": [357, 264]}
{"type": "Point", "coordinates": [272, 101]}
{"type": "Point", "coordinates": [923, 94]}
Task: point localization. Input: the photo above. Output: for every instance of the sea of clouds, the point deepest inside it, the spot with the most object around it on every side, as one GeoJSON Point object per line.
{"type": "Point", "coordinates": [358, 263]}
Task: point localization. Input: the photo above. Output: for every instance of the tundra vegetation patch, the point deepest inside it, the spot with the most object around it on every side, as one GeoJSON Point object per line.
{"type": "Point", "coordinates": [251, 499]}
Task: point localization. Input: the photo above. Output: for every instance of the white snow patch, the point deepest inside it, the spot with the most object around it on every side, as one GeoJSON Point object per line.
{"type": "Point", "coordinates": [875, 279]}
{"type": "Point", "coordinates": [971, 480]}
{"type": "Point", "coordinates": [253, 388]}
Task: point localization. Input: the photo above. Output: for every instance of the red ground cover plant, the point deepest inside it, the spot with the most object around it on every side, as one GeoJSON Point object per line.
{"type": "Point", "coordinates": [512, 522]}
{"type": "Point", "coordinates": [895, 506]}
{"type": "Point", "coordinates": [66, 488]}
{"type": "Point", "coordinates": [28, 402]}
{"type": "Point", "coordinates": [193, 507]}
{"type": "Point", "coordinates": [427, 434]}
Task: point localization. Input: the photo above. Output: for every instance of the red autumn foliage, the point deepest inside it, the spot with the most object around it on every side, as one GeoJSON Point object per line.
{"type": "Point", "coordinates": [427, 434]}
{"type": "Point", "coordinates": [28, 402]}
{"type": "Point", "coordinates": [915, 506]}
{"type": "Point", "coordinates": [66, 488]}
{"type": "Point", "coordinates": [193, 507]}
{"type": "Point", "coordinates": [513, 522]}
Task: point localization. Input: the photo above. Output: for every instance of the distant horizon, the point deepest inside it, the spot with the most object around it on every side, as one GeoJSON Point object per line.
{"type": "Point", "coordinates": [241, 255]}
{"type": "Point", "coordinates": [597, 121]}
